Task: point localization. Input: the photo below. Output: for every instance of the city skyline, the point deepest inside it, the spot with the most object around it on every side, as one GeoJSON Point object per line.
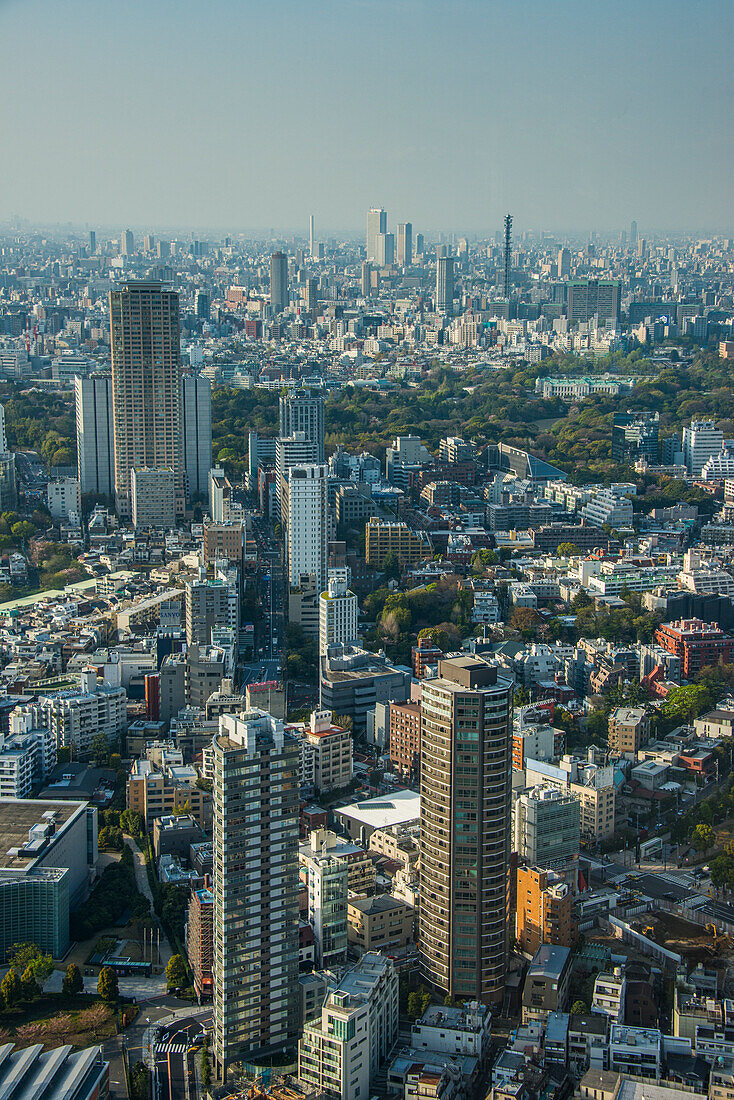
{"type": "Point", "coordinates": [568, 117]}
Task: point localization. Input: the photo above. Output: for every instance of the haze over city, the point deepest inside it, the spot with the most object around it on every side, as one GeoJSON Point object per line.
{"type": "Point", "coordinates": [251, 116]}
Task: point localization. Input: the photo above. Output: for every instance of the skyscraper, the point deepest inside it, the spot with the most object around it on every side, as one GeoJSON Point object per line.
{"type": "Point", "coordinates": [338, 615]}
{"type": "Point", "coordinates": [466, 739]}
{"type": "Point", "coordinates": [311, 234]}
{"type": "Point", "coordinates": [92, 241]}
{"type": "Point", "coordinates": [292, 450]}
{"type": "Point", "coordinates": [305, 504]}
{"type": "Point", "coordinates": [507, 283]}
{"type": "Point", "coordinates": [366, 279]}
{"type": "Point", "coordinates": [202, 304]}
{"type": "Point", "coordinates": [196, 433]}
{"type": "Point", "coordinates": [405, 244]}
{"type": "Point", "coordinates": [278, 281]}
{"type": "Point", "coordinates": [94, 434]}
{"type": "Point", "coordinates": [255, 887]}
{"type": "Point", "coordinates": [146, 385]}
{"type": "Point", "coordinates": [445, 285]}
{"type": "Point", "coordinates": [376, 224]}
{"type": "Point", "coordinates": [385, 245]}
{"type": "Point", "coordinates": [564, 263]}
{"type": "Point", "coordinates": [633, 233]}
{"type": "Point", "coordinates": [127, 242]}
{"type": "Point", "coordinates": [303, 411]}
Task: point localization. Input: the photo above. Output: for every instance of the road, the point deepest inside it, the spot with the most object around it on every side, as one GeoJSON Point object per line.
{"type": "Point", "coordinates": [174, 1048]}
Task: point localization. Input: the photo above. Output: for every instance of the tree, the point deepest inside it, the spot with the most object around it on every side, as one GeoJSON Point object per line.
{"type": "Point", "coordinates": [139, 1082]}
{"type": "Point", "coordinates": [176, 972]}
{"type": "Point", "coordinates": [111, 838]}
{"type": "Point", "coordinates": [206, 1066]}
{"type": "Point", "coordinates": [73, 981]}
{"type": "Point", "coordinates": [415, 1005]}
{"type": "Point", "coordinates": [107, 986]}
{"type": "Point", "coordinates": [10, 988]}
{"type": "Point", "coordinates": [132, 822]}
{"type": "Point", "coordinates": [703, 838]}
{"type": "Point", "coordinates": [100, 750]}
{"type": "Point", "coordinates": [21, 956]}
{"type": "Point", "coordinates": [568, 550]}
{"type": "Point", "coordinates": [391, 566]}
{"type": "Point", "coordinates": [29, 987]}
{"type": "Point", "coordinates": [579, 1008]}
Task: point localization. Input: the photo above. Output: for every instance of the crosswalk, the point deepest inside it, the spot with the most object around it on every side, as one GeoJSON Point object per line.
{"type": "Point", "coordinates": [172, 1048]}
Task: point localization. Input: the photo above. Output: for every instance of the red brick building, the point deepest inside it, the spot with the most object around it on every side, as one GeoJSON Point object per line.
{"type": "Point", "coordinates": [698, 644]}
{"type": "Point", "coordinates": [405, 737]}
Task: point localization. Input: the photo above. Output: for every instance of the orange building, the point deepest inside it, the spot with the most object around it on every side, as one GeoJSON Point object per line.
{"type": "Point", "coordinates": [405, 737]}
{"type": "Point", "coordinates": [544, 910]}
{"type": "Point", "coordinates": [200, 940]}
{"type": "Point", "coordinates": [424, 654]}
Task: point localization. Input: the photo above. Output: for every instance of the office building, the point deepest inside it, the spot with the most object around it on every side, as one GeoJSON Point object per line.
{"type": "Point", "coordinates": [331, 748]}
{"type": "Point", "coordinates": [697, 644]}
{"type": "Point", "coordinates": [327, 907]}
{"type": "Point", "coordinates": [200, 941]}
{"type": "Point", "coordinates": [157, 791]}
{"type": "Point", "coordinates": [376, 224]}
{"type": "Point", "coordinates": [220, 496]}
{"type": "Point", "coordinates": [196, 432]}
{"type": "Point", "coordinates": [127, 242]}
{"type": "Point", "coordinates": [311, 235]}
{"type": "Point", "coordinates": [94, 434]}
{"type": "Point", "coordinates": [385, 249]}
{"type": "Point", "coordinates": [261, 452]}
{"type": "Point", "coordinates": [153, 497]}
{"type": "Point", "coordinates": [278, 281]}
{"type": "Point", "coordinates": [295, 450]}
{"type": "Point", "coordinates": [305, 510]}
{"type": "Point", "coordinates": [210, 603]}
{"type": "Point", "coordinates": [445, 285]}
{"type": "Point", "coordinates": [46, 867]}
{"type": "Point", "coordinates": [255, 887]}
{"type": "Point", "coordinates": [405, 244]}
{"type": "Point", "coordinates": [353, 680]}
{"type": "Point", "coordinates": [92, 242]}
{"type": "Point", "coordinates": [61, 1073]}
{"type": "Point", "coordinates": [466, 727]}
{"type": "Point", "coordinates": [341, 1053]}
{"type": "Point", "coordinates": [544, 911]}
{"type": "Point", "coordinates": [701, 441]}
{"type": "Point", "coordinates": [338, 612]}
{"type": "Point", "coordinates": [588, 298]}
{"type": "Point", "coordinates": [202, 304]}
{"type": "Point", "coordinates": [564, 263]}
{"type": "Point", "coordinates": [224, 542]}
{"type": "Point", "coordinates": [546, 827]}
{"type": "Point", "coordinates": [146, 386]}
{"type": "Point", "coordinates": [635, 436]}
{"type": "Point", "coordinates": [366, 279]}
{"type": "Point", "coordinates": [303, 411]}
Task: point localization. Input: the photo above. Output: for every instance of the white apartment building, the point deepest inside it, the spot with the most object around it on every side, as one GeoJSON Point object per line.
{"type": "Point", "coordinates": [341, 1053]}
{"type": "Point", "coordinates": [592, 784]}
{"type": "Point", "coordinates": [635, 1051]}
{"type": "Point", "coordinates": [294, 450]}
{"type": "Point", "coordinates": [75, 718]}
{"type": "Point", "coordinates": [305, 498]}
{"type": "Point", "coordinates": [606, 506]}
{"type": "Point", "coordinates": [64, 498]}
{"type": "Point", "coordinates": [23, 762]}
{"type": "Point", "coordinates": [325, 753]}
{"type": "Point", "coordinates": [701, 441]}
{"type": "Point", "coordinates": [327, 906]}
{"type": "Point", "coordinates": [486, 607]}
{"type": "Point", "coordinates": [464, 1031]}
{"type": "Point", "coordinates": [338, 612]}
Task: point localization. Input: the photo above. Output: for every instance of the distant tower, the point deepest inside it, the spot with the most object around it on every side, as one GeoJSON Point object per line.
{"type": "Point", "coordinates": [278, 281]}
{"type": "Point", "coordinates": [366, 286]}
{"type": "Point", "coordinates": [508, 254]}
{"type": "Point", "coordinates": [633, 233]}
{"type": "Point", "coordinates": [445, 285]}
{"type": "Point", "coordinates": [310, 233]}
{"type": "Point", "coordinates": [376, 224]}
{"type": "Point", "coordinates": [127, 242]}
{"type": "Point", "coordinates": [405, 244]}
{"type": "Point", "coordinates": [92, 241]}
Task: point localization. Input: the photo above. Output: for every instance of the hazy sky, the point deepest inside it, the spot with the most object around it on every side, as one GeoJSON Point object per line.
{"type": "Point", "coordinates": [255, 113]}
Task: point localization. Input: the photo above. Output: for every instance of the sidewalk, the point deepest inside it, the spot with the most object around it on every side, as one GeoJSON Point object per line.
{"type": "Point", "coordinates": [141, 881]}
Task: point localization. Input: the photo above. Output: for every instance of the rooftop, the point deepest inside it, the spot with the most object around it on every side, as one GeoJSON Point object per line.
{"type": "Point", "coordinates": [28, 827]}
{"type": "Point", "coordinates": [549, 961]}
{"type": "Point", "coordinates": [378, 813]}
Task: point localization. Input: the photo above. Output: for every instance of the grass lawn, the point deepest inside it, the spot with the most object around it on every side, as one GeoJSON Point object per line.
{"type": "Point", "coordinates": [56, 1019]}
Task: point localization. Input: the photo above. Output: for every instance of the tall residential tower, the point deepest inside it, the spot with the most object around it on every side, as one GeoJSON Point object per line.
{"type": "Point", "coordinates": [146, 385]}
{"type": "Point", "coordinates": [466, 739]}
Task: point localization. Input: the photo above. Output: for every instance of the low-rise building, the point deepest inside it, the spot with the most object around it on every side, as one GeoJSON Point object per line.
{"type": "Point", "coordinates": [629, 729]}
{"type": "Point", "coordinates": [547, 983]}
{"type": "Point", "coordinates": [609, 995]}
{"type": "Point", "coordinates": [380, 923]}
{"type": "Point", "coordinates": [155, 792]}
{"type": "Point", "coordinates": [341, 1053]}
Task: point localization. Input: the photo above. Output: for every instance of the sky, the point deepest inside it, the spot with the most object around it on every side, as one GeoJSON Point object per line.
{"type": "Point", "coordinates": [252, 114]}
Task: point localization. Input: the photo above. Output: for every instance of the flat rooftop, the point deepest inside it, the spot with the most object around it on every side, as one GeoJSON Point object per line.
{"type": "Point", "coordinates": [394, 809]}
{"type": "Point", "coordinates": [18, 816]}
